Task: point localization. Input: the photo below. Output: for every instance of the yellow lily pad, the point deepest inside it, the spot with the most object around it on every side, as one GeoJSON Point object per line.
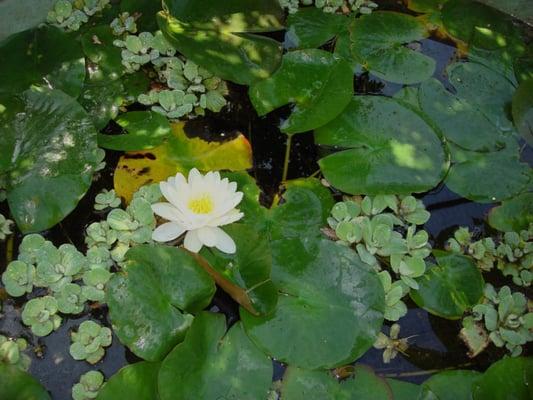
{"type": "Point", "coordinates": [179, 154]}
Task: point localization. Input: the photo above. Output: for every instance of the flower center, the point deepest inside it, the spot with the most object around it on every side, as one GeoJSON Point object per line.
{"type": "Point", "coordinates": [201, 204]}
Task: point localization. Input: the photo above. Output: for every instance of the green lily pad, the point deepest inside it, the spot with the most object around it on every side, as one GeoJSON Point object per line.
{"type": "Point", "coordinates": [318, 83]}
{"type": "Point", "coordinates": [521, 9]}
{"type": "Point", "coordinates": [212, 363]}
{"type": "Point", "coordinates": [390, 149]}
{"type": "Point", "coordinates": [514, 214]}
{"type": "Point", "coordinates": [136, 381]}
{"type": "Point", "coordinates": [299, 384]}
{"type": "Point", "coordinates": [146, 130]}
{"type": "Point", "coordinates": [16, 16]}
{"type": "Point", "coordinates": [150, 303]}
{"type": "Point", "coordinates": [98, 46]}
{"type": "Point", "coordinates": [378, 44]}
{"type": "Point", "coordinates": [330, 305]}
{"type": "Point", "coordinates": [523, 110]}
{"type": "Point", "coordinates": [43, 56]}
{"type": "Point", "coordinates": [102, 100]}
{"type": "Point", "coordinates": [450, 385]}
{"type": "Point", "coordinates": [49, 153]}
{"type": "Point", "coordinates": [19, 385]}
{"type": "Point", "coordinates": [451, 287]}
{"type": "Point", "coordinates": [491, 92]}
{"type": "Point", "coordinates": [245, 275]}
{"type": "Point", "coordinates": [488, 177]}
{"type": "Point", "coordinates": [402, 390]}
{"type": "Point", "coordinates": [457, 119]}
{"type": "Point", "coordinates": [223, 37]}
{"type": "Point", "coordinates": [311, 27]}
{"type": "Point", "coordinates": [509, 378]}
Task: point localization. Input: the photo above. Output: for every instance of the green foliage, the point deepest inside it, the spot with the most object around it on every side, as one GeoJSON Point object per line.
{"type": "Point", "coordinates": [511, 253]}
{"type": "Point", "coordinates": [11, 352]}
{"type": "Point", "coordinates": [88, 387]}
{"type": "Point", "coordinates": [89, 341]}
{"type": "Point", "coordinates": [319, 83]}
{"type": "Point", "coordinates": [230, 364]}
{"type": "Point", "coordinates": [449, 288]}
{"type": "Point", "coordinates": [223, 38]}
{"type": "Point", "coordinates": [514, 214]}
{"type": "Point", "coordinates": [18, 278]}
{"type": "Point", "coordinates": [364, 224]}
{"type": "Point", "coordinates": [135, 381]}
{"type": "Point", "coordinates": [124, 24]}
{"type": "Point", "coordinates": [522, 109]}
{"type": "Point", "coordinates": [150, 304]}
{"type": "Point", "coordinates": [49, 154]}
{"type": "Point", "coordinates": [387, 149]}
{"type": "Point", "coordinates": [70, 299]}
{"type": "Point", "coordinates": [40, 314]}
{"type": "Point", "coordinates": [330, 6]}
{"type": "Point", "coordinates": [58, 267]}
{"type": "Point", "coordinates": [106, 199]}
{"type": "Point", "coordinates": [95, 281]}
{"type": "Point", "coordinates": [71, 14]}
{"type": "Point", "coordinates": [506, 318]}
{"type": "Point", "coordinates": [19, 385]}
{"type": "Point", "coordinates": [378, 45]}
{"type": "Point", "coordinates": [5, 227]}
{"type": "Point", "coordinates": [391, 344]}
{"type": "Point", "coordinates": [450, 385]}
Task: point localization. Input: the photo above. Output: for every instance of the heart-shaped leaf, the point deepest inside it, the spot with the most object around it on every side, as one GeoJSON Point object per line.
{"type": "Point", "coordinates": [16, 16]}
{"type": "Point", "coordinates": [402, 390]}
{"type": "Point", "coordinates": [136, 381]}
{"type": "Point", "coordinates": [450, 385]}
{"type": "Point", "coordinates": [19, 385]}
{"type": "Point", "coordinates": [179, 154]}
{"type": "Point", "coordinates": [514, 214]}
{"type": "Point", "coordinates": [149, 303]}
{"type": "Point", "coordinates": [449, 288]}
{"type": "Point", "coordinates": [523, 110]}
{"type": "Point", "coordinates": [98, 46]}
{"type": "Point", "coordinates": [390, 149]}
{"type": "Point", "coordinates": [211, 363]}
{"type": "Point", "coordinates": [509, 378]}
{"type": "Point", "coordinates": [223, 37]}
{"type": "Point", "coordinates": [378, 44]}
{"type": "Point", "coordinates": [244, 275]}
{"type": "Point", "coordinates": [146, 129]}
{"type": "Point", "coordinates": [48, 156]}
{"type": "Point", "coordinates": [520, 9]}
{"type": "Point", "coordinates": [43, 56]}
{"type": "Point", "coordinates": [319, 83]}
{"type": "Point", "coordinates": [299, 384]}
{"type": "Point", "coordinates": [311, 27]}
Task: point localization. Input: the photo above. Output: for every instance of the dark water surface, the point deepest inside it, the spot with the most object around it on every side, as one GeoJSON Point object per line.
{"type": "Point", "coordinates": [434, 342]}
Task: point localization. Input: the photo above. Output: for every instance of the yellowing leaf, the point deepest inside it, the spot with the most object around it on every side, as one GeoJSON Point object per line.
{"type": "Point", "coordinates": [179, 154]}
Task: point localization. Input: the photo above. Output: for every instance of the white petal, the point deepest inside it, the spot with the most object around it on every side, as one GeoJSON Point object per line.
{"type": "Point", "coordinates": [224, 242]}
{"type": "Point", "coordinates": [207, 235]}
{"type": "Point", "coordinates": [167, 232]}
{"type": "Point", "coordinates": [194, 177]}
{"type": "Point", "coordinates": [232, 186]}
{"type": "Point", "coordinates": [228, 218]}
{"type": "Point", "coordinates": [191, 242]}
{"type": "Point", "coordinates": [170, 192]}
{"type": "Point", "coordinates": [179, 181]}
{"type": "Point", "coordinates": [167, 211]}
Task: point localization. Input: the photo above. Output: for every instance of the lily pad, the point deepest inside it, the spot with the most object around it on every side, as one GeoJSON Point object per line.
{"type": "Point", "coordinates": [488, 177]}
{"type": "Point", "coordinates": [150, 303]}
{"type": "Point", "coordinates": [211, 363]}
{"type": "Point", "coordinates": [299, 384]}
{"type": "Point", "coordinates": [146, 129]}
{"type": "Point", "coordinates": [223, 37]}
{"type": "Point", "coordinates": [136, 381]}
{"type": "Point", "coordinates": [390, 149]}
{"type": "Point", "coordinates": [521, 9]}
{"type": "Point", "coordinates": [523, 110]}
{"type": "Point", "coordinates": [450, 385]}
{"type": "Point", "coordinates": [245, 276]}
{"type": "Point", "coordinates": [102, 100]}
{"type": "Point", "coordinates": [43, 56]}
{"type": "Point", "coordinates": [318, 83]}
{"type": "Point", "coordinates": [49, 153]}
{"type": "Point", "coordinates": [509, 378]}
{"type": "Point", "coordinates": [402, 390]}
{"type": "Point", "coordinates": [378, 44]}
{"type": "Point", "coordinates": [311, 27]}
{"type": "Point", "coordinates": [16, 16]}
{"type": "Point", "coordinates": [19, 385]}
{"type": "Point", "coordinates": [179, 154]}
{"type": "Point", "coordinates": [514, 214]}
{"type": "Point", "coordinates": [449, 288]}
{"type": "Point", "coordinates": [98, 46]}
{"type": "Point", "coordinates": [458, 120]}
{"type": "Point", "coordinates": [330, 305]}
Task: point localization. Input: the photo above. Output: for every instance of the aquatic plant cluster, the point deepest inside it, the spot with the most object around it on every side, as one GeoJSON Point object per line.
{"type": "Point", "coordinates": [325, 269]}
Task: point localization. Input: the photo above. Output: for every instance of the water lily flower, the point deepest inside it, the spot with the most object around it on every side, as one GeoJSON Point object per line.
{"type": "Point", "coordinates": [198, 206]}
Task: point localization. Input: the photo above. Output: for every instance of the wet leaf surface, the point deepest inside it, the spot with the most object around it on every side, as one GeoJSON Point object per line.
{"type": "Point", "coordinates": [136, 381]}
{"type": "Point", "coordinates": [514, 214]}
{"type": "Point", "coordinates": [19, 385]}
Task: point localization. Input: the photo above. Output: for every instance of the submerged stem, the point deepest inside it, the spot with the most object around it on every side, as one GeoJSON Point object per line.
{"type": "Point", "coordinates": [287, 158]}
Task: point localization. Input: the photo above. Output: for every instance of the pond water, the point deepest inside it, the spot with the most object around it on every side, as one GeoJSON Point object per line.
{"type": "Point", "coordinates": [434, 344]}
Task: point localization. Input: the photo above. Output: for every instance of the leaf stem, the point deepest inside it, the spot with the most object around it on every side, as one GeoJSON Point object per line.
{"type": "Point", "coordinates": [287, 158]}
